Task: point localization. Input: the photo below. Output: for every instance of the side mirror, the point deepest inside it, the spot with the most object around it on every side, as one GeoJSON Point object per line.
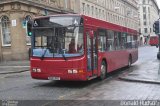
{"type": "Point", "coordinates": [29, 28]}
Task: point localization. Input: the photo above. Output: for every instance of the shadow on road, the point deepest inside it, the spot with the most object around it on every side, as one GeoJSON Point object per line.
{"type": "Point", "coordinates": [69, 84]}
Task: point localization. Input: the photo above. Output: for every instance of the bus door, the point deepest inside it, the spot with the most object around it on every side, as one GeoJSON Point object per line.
{"type": "Point", "coordinates": [92, 56]}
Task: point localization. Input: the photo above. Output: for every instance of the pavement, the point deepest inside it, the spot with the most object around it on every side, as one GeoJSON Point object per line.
{"type": "Point", "coordinates": [9, 67]}
{"type": "Point", "coordinates": [147, 72]}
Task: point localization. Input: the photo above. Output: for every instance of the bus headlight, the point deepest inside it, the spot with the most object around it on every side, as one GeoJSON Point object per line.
{"type": "Point", "coordinates": [75, 71]}
{"type": "Point", "coordinates": [34, 70]}
{"type": "Point", "coordinates": [38, 70]}
{"type": "Point", "coordinates": [70, 72]}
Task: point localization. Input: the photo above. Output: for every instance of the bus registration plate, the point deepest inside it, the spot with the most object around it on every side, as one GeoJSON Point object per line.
{"type": "Point", "coordinates": [54, 78]}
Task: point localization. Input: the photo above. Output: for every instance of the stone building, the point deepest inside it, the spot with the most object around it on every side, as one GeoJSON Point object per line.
{"type": "Point", "coordinates": [121, 12]}
{"type": "Point", "coordinates": [149, 13]}
{"type": "Point", "coordinates": [14, 43]}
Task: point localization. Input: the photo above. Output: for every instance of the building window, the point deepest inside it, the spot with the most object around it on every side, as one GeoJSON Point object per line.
{"type": "Point", "coordinates": [145, 30]}
{"type": "Point", "coordinates": [139, 30]}
{"type": "Point", "coordinates": [66, 3]}
{"type": "Point", "coordinates": [96, 12]}
{"type": "Point", "coordinates": [100, 13]}
{"type": "Point", "coordinates": [44, 0]}
{"type": "Point", "coordinates": [83, 8]}
{"type": "Point", "coordinates": [148, 10]}
{"type": "Point", "coordinates": [28, 18]}
{"type": "Point", "coordinates": [145, 23]}
{"type": "Point", "coordinates": [88, 10]}
{"type": "Point", "coordinates": [92, 11]}
{"type": "Point", "coordinates": [144, 16]}
{"type": "Point", "coordinates": [144, 2]}
{"type": "Point", "coordinates": [28, 38]}
{"type": "Point", "coordinates": [108, 17]}
{"type": "Point", "coordinates": [5, 29]}
{"type": "Point", "coordinates": [103, 15]}
{"type": "Point", "coordinates": [144, 9]}
{"type": "Point", "coordinates": [52, 1]}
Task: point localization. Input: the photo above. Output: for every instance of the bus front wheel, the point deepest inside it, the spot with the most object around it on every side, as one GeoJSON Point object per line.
{"type": "Point", "coordinates": [103, 71]}
{"type": "Point", "coordinates": [157, 46]}
{"type": "Point", "coordinates": [158, 55]}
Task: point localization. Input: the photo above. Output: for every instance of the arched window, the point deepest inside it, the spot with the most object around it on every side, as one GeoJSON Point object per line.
{"type": "Point", "coordinates": [28, 18]}
{"type": "Point", "coordinates": [28, 38]}
{"type": "Point", "coordinates": [5, 29]}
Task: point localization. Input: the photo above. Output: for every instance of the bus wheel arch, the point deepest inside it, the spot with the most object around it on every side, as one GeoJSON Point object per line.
{"type": "Point", "coordinates": [103, 69]}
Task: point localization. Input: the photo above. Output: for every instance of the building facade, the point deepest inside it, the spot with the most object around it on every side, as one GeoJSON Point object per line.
{"type": "Point", "coordinates": [14, 43]}
{"type": "Point", "coordinates": [121, 12]}
{"type": "Point", "coordinates": [149, 13]}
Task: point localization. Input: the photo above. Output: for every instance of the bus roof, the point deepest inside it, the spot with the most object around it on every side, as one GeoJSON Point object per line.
{"type": "Point", "coordinates": [57, 15]}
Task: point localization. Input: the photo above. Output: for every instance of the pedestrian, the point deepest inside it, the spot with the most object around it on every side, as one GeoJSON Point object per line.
{"type": "Point", "coordinates": [145, 41]}
{"type": "Point", "coordinates": [141, 42]}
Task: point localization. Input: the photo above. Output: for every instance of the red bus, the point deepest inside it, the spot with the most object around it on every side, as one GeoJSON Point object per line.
{"type": "Point", "coordinates": [79, 48]}
{"type": "Point", "coordinates": [154, 41]}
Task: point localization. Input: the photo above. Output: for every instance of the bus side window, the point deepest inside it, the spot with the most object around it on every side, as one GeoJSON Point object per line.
{"type": "Point", "coordinates": [123, 41]}
{"type": "Point", "coordinates": [117, 40]}
{"type": "Point", "coordinates": [135, 40]}
{"type": "Point", "coordinates": [129, 41]}
{"type": "Point", "coordinates": [110, 40]}
{"type": "Point", "coordinates": [102, 40]}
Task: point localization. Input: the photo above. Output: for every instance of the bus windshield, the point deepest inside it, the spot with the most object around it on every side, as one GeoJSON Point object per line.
{"type": "Point", "coordinates": [58, 37]}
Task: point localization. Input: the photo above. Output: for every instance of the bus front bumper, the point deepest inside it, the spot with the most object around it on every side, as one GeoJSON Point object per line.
{"type": "Point", "coordinates": [63, 77]}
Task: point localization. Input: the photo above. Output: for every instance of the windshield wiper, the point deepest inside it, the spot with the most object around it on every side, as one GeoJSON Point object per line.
{"type": "Point", "coordinates": [64, 55]}
{"type": "Point", "coordinates": [42, 57]}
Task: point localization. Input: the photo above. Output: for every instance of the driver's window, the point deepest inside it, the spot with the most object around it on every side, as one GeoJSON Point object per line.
{"type": "Point", "coordinates": [102, 40]}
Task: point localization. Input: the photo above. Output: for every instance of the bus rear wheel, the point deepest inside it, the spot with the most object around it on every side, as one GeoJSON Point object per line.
{"type": "Point", "coordinates": [103, 71]}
